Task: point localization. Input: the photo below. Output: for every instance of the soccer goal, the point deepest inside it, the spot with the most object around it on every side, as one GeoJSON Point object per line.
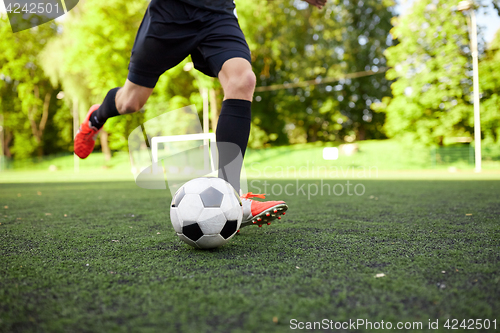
{"type": "Point", "coordinates": [208, 145]}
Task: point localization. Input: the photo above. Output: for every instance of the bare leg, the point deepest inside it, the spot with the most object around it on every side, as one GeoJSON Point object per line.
{"type": "Point", "coordinates": [237, 79]}
{"type": "Point", "coordinates": [131, 97]}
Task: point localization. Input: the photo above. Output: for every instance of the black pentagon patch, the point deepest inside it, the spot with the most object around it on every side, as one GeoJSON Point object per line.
{"type": "Point", "coordinates": [178, 197]}
{"type": "Point", "coordinates": [229, 229]}
{"type": "Point", "coordinates": [211, 197]}
{"type": "Point", "coordinates": [192, 231]}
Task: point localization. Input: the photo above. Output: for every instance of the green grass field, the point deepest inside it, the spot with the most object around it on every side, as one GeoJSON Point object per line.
{"type": "Point", "coordinates": [103, 257]}
{"type": "Point", "coordinates": [384, 154]}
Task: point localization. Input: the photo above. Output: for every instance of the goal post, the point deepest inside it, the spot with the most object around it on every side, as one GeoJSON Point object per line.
{"type": "Point", "coordinates": [208, 142]}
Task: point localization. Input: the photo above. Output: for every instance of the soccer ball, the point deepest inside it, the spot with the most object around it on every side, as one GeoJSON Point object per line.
{"type": "Point", "coordinates": [206, 212]}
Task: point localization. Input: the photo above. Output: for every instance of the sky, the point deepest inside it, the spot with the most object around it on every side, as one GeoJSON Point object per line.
{"type": "Point", "coordinates": [488, 18]}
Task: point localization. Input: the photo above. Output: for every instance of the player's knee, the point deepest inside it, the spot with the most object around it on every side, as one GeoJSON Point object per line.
{"type": "Point", "coordinates": [248, 81]}
{"type": "Point", "coordinates": [242, 83]}
{"type": "Point", "coordinates": [129, 106]}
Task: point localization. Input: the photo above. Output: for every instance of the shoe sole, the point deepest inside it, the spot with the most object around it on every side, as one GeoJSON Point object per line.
{"type": "Point", "coordinates": [266, 216]}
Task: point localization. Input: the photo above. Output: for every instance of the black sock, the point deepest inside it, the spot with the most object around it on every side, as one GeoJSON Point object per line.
{"type": "Point", "coordinates": [233, 127]}
{"type": "Point", "coordinates": [106, 110]}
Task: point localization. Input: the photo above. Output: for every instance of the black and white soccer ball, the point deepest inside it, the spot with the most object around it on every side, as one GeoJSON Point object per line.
{"type": "Point", "coordinates": [206, 212]}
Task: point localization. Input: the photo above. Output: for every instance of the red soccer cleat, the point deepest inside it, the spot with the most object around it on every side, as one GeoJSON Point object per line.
{"type": "Point", "coordinates": [261, 212]}
{"type": "Point", "coordinates": [85, 138]}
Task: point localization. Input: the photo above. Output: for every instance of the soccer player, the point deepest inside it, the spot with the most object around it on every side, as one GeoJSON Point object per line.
{"type": "Point", "coordinates": [208, 30]}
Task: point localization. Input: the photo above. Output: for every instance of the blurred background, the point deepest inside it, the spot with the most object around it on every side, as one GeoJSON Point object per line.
{"type": "Point", "coordinates": [389, 82]}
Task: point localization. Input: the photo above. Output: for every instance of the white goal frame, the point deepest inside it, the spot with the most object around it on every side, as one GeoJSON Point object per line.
{"type": "Point", "coordinates": [208, 139]}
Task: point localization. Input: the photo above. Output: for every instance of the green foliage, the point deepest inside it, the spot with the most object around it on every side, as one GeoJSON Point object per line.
{"type": "Point", "coordinates": [26, 94]}
{"type": "Point", "coordinates": [489, 78]}
{"type": "Point", "coordinates": [93, 53]}
{"type": "Point", "coordinates": [99, 39]}
{"type": "Point", "coordinates": [433, 71]}
{"type": "Point", "coordinates": [178, 88]}
{"type": "Point", "coordinates": [294, 42]}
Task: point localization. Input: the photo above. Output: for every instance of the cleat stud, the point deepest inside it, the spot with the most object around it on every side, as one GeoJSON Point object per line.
{"type": "Point", "coordinates": [260, 225]}
{"type": "Point", "coordinates": [275, 211]}
{"type": "Point", "coordinates": [259, 219]}
{"type": "Point", "coordinates": [254, 222]}
{"type": "Point", "coordinates": [268, 214]}
{"type": "Point", "coordinates": [238, 230]}
{"type": "Point", "coordinates": [279, 217]}
{"type": "Point", "coordinates": [284, 213]}
{"type": "Point", "coordinates": [268, 223]}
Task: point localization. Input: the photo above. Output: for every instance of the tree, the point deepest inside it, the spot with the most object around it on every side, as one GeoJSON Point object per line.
{"type": "Point", "coordinates": [432, 100]}
{"type": "Point", "coordinates": [294, 43]}
{"type": "Point", "coordinates": [27, 96]}
{"type": "Point", "coordinates": [489, 77]}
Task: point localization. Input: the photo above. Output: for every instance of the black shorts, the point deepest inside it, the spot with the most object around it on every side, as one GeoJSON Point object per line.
{"type": "Point", "coordinates": [171, 30]}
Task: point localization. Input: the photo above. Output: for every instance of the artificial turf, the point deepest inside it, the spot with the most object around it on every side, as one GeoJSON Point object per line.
{"type": "Point", "coordinates": [103, 257]}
